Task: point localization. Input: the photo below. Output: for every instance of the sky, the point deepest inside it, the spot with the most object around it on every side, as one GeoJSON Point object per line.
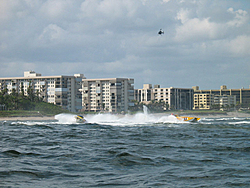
{"type": "Point", "coordinates": [206, 43]}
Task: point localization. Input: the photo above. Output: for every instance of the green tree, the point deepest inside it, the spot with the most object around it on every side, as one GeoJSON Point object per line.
{"type": "Point", "coordinates": [22, 89]}
{"type": "Point", "coordinates": [14, 99]}
{"type": "Point", "coordinates": [30, 92]}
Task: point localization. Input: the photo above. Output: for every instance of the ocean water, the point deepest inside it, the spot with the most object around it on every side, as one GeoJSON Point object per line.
{"type": "Point", "coordinates": [141, 150]}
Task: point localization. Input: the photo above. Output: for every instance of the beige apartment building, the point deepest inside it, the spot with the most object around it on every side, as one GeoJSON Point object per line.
{"type": "Point", "coordinates": [176, 98]}
{"type": "Point", "coordinates": [242, 95]}
{"type": "Point", "coordinates": [209, 101]}
{"type": "Point", "coordinates": [110, 95]}
{"type": "Point", "coordinates": [203, 101]}
{"type": "Point", "coordinates": [60, 90]}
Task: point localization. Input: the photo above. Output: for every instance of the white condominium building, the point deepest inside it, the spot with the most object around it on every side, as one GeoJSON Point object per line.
{"type": "Point", "coordinates": [111, 95]}
{"type": "Point", "coordinates": [225, 101]}
{"type": "Point", "coordinates": [60, 90]}
{"type": "Point", "coordinates": [144, 95]}
{"type": "Point", "coordinates": [176, 98]}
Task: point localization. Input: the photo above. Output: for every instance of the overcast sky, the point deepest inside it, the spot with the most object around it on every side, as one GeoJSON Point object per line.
{"type": "Point", "coordinates": [206, 42]}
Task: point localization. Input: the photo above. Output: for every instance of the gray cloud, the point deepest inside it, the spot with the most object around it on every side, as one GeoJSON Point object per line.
{"type": "Point", "coordinates": [206, 42]}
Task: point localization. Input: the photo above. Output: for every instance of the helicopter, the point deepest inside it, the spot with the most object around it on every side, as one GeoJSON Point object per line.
{"type": "Point", "coordinates": [161, 32]}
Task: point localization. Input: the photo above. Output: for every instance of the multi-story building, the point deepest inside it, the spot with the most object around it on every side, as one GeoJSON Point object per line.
{"type": "Point", "coordinates": [179, 98]}
{"type": "Point", "coordinates": [203, 101]}
{"type": "Point", "coordinates": [60, 90]}
{"type": "Point", "coordinates": [225, 101]}
{"type": "Point", "coordinates": [242, 95]}
{"type": "Point", "coordinates": [176, 98]}
{"type": "Point", "coordinates": [144, 95]}
{"type": "Point", "coordinates": [210, 101]}
{"type": "Point", "coordinates": [112, 94]}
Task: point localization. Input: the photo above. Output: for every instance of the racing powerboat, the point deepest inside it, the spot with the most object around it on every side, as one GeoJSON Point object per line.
{"type": "Point", "coordinates": [80, 119]}
{"type": "Point", "coordinates": [187, 118]}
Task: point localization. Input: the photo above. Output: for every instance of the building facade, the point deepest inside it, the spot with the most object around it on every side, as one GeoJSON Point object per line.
{"type": "Point", "coordinates": [60, 90]}
{"type": "Point", "coordinates": [176, 98]}
{"type": "Point", "coordinates": [203, 101]}
{"type": "Point", "coordinates": [111, 95]}
{"type": "Point", "coordinates": [242, 95]}
{"type": "Point", "coordinates": [210, 101]}
{"type": "Point", "coordinates": [144, 95]}
{"type": "Point", "coordinates": [225, 101]}
{"type": "Point", "coordinates": [181, 98]}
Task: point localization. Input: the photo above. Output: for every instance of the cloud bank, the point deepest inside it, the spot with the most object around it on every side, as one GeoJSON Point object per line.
{"type": "Point", "coordinates": [206, 42]}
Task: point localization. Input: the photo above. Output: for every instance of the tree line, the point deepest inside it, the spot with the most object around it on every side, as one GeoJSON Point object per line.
{"type": "Point", "coordinates": [153, 106]}
{"type": "Point", "coordinates": [31, 102]}
{"type": "Point", "coordinates": [161, 106]}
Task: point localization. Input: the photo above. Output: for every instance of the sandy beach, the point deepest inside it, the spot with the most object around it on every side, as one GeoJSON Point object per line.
{"type": "Point", "coordinates": [27, 118]}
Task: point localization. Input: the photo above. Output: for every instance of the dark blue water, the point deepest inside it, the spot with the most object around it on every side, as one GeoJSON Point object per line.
{"type": "Point", "coordinates": [132, 151]}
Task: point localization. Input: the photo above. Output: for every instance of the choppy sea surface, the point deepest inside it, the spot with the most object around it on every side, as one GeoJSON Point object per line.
{"type": "Point", "coordinates": [142, 150]}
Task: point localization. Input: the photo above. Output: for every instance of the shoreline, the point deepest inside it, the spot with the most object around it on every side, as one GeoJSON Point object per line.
{"type": "Point", "coordinates": [27, 118]}
{"type": "Point", "coordinates": [218, 115]}
{"type": "Point", "coordinates": [46, 118]}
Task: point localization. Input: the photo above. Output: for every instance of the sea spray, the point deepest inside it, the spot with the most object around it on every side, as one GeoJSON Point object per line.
{"type": "Point", "coordinates": [119, 119]}
{"type": "Point", "coordinates": [66, 118]}
{"type": "Point", "coordinates": [139, 118]}
{"type": "Point", "coordinates": [145, 110]}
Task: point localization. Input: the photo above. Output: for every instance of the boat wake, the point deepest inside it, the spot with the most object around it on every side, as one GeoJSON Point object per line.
{"type": "Point", "coordinates": [66, 118]}
{"type": "Point", "coordinates": [143, 118]}
{"type": "Point", "coordinates": [126, 120]}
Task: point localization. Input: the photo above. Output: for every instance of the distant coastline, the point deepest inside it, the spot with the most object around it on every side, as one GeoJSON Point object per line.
{"type": "Point", "coordinates": [216, 114]}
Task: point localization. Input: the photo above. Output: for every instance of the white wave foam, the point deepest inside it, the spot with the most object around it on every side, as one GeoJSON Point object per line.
{"type": "Point", "coordinates": [122, 120]}
{"type": "Point", "coordinates": [131, 120]}
{"type": "Point", "coordinates": [239, 123]}
{"type": "Point", "coordinates": [66, 118]}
